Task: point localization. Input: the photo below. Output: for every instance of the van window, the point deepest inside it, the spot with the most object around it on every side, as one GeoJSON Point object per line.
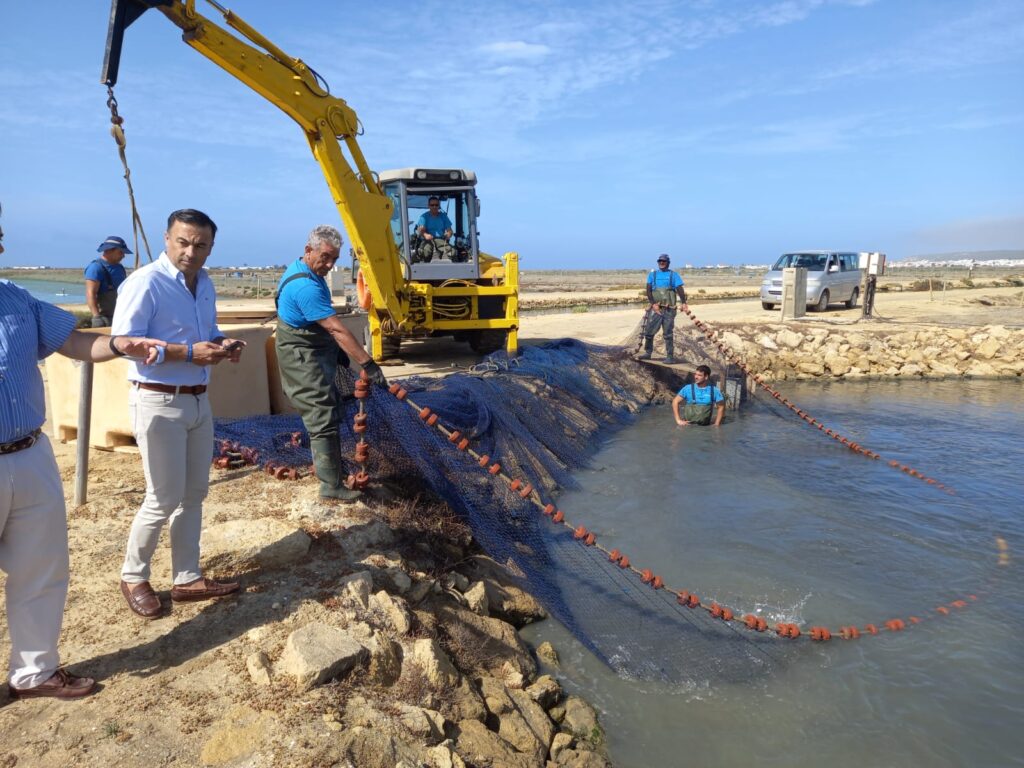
{"type": "Point", "coordinates": [850, 262]}
{"type": "Point", "coordinates": [813, 262]}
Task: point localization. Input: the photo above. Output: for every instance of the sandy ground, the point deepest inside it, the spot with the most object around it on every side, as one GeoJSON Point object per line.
{"type": "Point", "coordinates": [167, 683]}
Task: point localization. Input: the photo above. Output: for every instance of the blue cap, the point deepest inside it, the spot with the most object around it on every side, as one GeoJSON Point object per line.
{"type": "Point", "coordinates": [664, 257]}
{"type": "Point", "coordinates": [113, 242]}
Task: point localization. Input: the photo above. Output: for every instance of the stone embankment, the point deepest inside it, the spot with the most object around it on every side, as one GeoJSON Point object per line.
{"type": "Point", "coordinates": [804, 351]}
{"type": "Point", "coordinates": [408, 660]}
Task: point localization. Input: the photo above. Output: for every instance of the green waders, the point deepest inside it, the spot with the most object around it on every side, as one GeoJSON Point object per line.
{"type": "Point", "coordinates": [308, 359]}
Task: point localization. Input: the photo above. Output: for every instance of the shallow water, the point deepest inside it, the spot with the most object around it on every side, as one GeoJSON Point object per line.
{"type": "Point", "coordinates": [767, 514]}
{"type": "Point", "coordinates": [54, 291]}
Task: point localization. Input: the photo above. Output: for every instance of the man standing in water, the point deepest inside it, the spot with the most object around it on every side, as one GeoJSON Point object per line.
{"type": "Point", "coordinates": [103, 276]}
{"type": "Point", "coordinates": [663, 287]}
{"type": "Point", "coordinates": [705, 403]}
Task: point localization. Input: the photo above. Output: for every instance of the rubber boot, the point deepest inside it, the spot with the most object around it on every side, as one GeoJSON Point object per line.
{"type": "Point", "coordinates": [648, 348]}
{"type": "Point", "coordinates": [670, 350]}
{"type": "Point", "coordinates": [327, 461]}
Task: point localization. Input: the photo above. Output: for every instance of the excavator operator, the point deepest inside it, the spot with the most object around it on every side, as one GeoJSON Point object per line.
{"type": "Point", "coordinates": [434, 229]}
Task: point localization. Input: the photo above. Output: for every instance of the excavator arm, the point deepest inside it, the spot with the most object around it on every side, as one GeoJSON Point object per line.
{"type": "Point", "coordinates": [326, 120]}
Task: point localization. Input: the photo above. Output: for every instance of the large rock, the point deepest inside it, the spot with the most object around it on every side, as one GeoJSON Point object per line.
{"type": "Point", "coordinates": [373, 748]}
{"type": "Point", "coordinates": [521, 721]}
{"type": "Point", "coordinates": [476, 599]}
{"type": "Point", "coordinates": [481, 747]}
{"type": "Point", "coordinates": [790, 339]}
{"type": "Point", "coordinates": [357, 587]}
{"type": "Point", "coordinates": [385, 663]}
{"type": "Point", "coordinates": [506, 600]}
{"type": "Point", "coordinates": [434, 662]}
{"type": "Point", "coordinates": [239, 735]}
{"type": "Point", "coordinates": [364, 535]}
{"type": "Point", "coordinates": [425, 724]}
{"type": "Point", "coordinates": [394, 610]}
{"type": "Point", "coordinates": [488, 645]}
{"type": "Point", "coordinates": [546, 691]}
{"type": "Point", "coordinates": [838, 364]}
{"type": "Point", "coordinates": [581, 721]}
{"type": "Point", "coordinates": [319, 652]}
{"type": "Point", "coordinates": [264, 542]}
{"type": "Point", "coordinates": [988, 349]}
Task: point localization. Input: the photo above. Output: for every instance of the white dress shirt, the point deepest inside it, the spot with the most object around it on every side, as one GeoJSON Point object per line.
{"type": "Point", "coordinates": [155, 302]}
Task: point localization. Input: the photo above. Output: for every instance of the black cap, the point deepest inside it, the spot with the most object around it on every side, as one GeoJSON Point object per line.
{"type": "Point", "coordinates": [664, 257]}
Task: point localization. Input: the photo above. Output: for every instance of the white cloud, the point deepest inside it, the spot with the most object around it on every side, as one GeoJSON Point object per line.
{"type": "Point", "coordinates": [515, 49]}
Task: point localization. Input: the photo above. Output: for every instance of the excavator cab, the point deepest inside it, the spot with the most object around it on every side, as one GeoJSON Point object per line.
{"type": "Point", "coordinates": [410, 191]}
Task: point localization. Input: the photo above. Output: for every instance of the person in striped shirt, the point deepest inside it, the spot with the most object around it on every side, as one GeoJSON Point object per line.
{"type": "Point", "coordinates": [33, 519]}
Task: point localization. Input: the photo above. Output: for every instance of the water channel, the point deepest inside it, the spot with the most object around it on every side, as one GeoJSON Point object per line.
{"type": "Point", "coordinates": [766, 514]}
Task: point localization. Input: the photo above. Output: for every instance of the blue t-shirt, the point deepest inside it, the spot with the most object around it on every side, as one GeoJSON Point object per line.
{"type": "Point", "coordinates": [108, 275]}
{"type": "Point", "coordinates": [667, 278]}
{"type": "Point", "coordinates": [435, 225]}
{"type": "Point", "coordinates": [691, 393]}
{"type": "Point", "coordinates": [304, 300]}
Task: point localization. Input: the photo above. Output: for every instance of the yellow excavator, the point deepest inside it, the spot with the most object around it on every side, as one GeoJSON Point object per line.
{"type": "Point", "coordinates": [409, 291]}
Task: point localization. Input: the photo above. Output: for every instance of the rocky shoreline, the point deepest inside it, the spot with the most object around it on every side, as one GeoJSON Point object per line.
{"type": "Point", "coordinates": [804, 351]}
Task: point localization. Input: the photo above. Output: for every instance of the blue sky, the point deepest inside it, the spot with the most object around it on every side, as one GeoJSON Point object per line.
{"type": "Point", "coordinates": [602, 133]}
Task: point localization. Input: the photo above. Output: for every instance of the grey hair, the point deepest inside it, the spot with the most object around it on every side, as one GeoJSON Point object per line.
{"type": "Point", "coordinates": [324, 234]}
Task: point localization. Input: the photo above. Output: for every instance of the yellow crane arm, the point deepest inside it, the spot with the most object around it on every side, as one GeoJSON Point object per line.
{"type": "Point", "coordinates": [326, 120]}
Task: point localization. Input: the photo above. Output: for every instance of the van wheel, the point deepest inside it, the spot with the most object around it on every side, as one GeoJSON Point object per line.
{"type": "Point", "coordinates": [767, 305]}
{"type": "Point", "coordinates": [853, 299]}
{"type": "Point", "coordinates": [822, 304]}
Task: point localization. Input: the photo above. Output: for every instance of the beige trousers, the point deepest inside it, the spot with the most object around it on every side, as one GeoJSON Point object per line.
{"type": "Point", "coordinates": [34, 555]}
{"type": "Point", "coordinates": [175, 436]}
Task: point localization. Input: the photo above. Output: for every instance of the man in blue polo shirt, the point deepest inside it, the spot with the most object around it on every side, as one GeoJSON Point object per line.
{"type": "Point", "coordinates": [103, 276]}
{"type": "Point", "coordinates": [434, 229]}
{"type": "Point", "coordinates": [705, 403]}
{"type": "Point", "coordinates": [663, 287]}
{"type": "Point", "coordinates": [311, 344]}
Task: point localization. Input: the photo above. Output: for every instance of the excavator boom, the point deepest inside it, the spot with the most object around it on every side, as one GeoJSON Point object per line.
{"type": "Point", "coordinates": [398, 305]}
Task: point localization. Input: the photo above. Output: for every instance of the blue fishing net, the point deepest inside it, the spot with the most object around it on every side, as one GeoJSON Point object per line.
{"type": "Point", "coordinates": [541, 415]}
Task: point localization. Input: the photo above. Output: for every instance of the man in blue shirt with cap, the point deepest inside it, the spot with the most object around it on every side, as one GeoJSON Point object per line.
{"type": "Point", "coordinates": [663, 287]}
{"type": "Point", "coordinates": [103, 276]}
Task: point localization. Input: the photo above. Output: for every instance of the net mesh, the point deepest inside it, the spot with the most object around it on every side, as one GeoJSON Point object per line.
{"type": "Point", "coordinates": [541, 415]}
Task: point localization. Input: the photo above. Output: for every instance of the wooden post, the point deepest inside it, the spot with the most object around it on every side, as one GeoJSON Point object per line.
{"type": "Point", "coordinates": [82, 449]}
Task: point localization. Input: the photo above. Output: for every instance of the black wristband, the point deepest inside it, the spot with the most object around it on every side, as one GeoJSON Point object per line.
{"type": "Point", "coordinates": [114, 349]}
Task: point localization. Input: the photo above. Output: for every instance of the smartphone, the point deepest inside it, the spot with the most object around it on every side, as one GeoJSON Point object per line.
{"type": "Point", "coordinates": [236, 344]}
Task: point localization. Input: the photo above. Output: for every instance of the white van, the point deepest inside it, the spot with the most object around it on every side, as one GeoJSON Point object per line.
{"type": "Point", "coordinates": [832, 276]}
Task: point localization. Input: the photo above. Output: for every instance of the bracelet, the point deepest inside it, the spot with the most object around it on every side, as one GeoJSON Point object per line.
{"type": "Point", "coordinates": [188, 354]}
{"type": "Point", "coordinates": [161, 353]}
{"type": "Point", "coordinates": [114, 349]}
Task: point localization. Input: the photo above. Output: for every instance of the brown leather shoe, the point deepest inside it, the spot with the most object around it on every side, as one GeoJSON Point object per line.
{"type": "Point", "coordinates": [202, 589]}
{"type": "Point", "coordinates": [141, 599]}
{"type": "Point", "coordinates": [61, 685]}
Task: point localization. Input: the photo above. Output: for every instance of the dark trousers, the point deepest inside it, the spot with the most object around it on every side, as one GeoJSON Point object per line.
{"type": "Point", "coordinates": [308, 359]}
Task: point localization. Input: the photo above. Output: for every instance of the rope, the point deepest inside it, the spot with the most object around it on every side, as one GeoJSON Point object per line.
{"type": "Point", "coordinates": [117, 132]}
{"type": "Point", "coordinates": [684, 598]}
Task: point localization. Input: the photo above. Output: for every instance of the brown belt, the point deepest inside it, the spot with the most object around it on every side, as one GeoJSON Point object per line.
{"type": "Point", "coordinates": [20, 445]}
{"type": "Point", "coordinates": [172, 389]}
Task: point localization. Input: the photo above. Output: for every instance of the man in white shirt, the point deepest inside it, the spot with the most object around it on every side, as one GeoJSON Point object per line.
{"type": "Point", "coordinates": [173, 299]}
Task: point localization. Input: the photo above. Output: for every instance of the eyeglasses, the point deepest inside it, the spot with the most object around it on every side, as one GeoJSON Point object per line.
{"type": "Point", "coordinates": [434, 205]}
{"type": "Point", "coordinates": [662, 261]}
